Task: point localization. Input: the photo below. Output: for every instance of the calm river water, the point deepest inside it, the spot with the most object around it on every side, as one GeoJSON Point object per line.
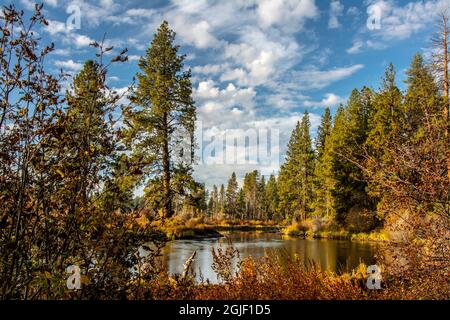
{"type": "Point", "coordinates": [333, 255]}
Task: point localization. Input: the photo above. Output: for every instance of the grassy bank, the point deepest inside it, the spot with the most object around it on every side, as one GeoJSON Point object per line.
{"type": "Point", "coordinates": [178, 228]}
{"type": "Point", "coordinates": [308, 230]}
{"type": "Point", "coordinates": [246, 226]}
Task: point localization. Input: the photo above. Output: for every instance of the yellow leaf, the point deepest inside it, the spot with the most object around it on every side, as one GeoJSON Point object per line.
{"type": "Point", "coordinates": [60, 173]}
{"type": "Point", "coordinates": [84, 279]}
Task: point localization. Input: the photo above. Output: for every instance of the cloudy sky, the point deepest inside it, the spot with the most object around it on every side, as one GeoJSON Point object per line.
{"type": "Point", "coordinates": [256, 63]}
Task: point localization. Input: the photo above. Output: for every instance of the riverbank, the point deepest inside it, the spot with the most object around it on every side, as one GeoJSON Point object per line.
{"type": "Point", "coordinates": [324, 229]}
{"type": "Point", "coordinates": [339, 235]}
{"type": "Point", "coordinates": [199, 228]}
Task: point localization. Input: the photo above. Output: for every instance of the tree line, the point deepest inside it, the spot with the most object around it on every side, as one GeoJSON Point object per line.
{"type": "Point", "coordinates": [340, 175]}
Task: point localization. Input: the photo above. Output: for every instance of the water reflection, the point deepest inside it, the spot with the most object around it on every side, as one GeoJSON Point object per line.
{"type": "Point", "coordinates": [333, 255]}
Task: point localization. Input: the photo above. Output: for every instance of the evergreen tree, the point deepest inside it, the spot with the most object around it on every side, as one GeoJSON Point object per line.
{"type": "Point", "coordinates": [323, 132]}
{"type": "Point", "coordinates": [261, 203]}
{"type": "Point", "coordinates": [164, 114]}
{"type": "Point", "coordinates": [231, 196]}
{"type": "Point", "coordinates": [297, 174]}
{"type": "Point", "coordinates": [347, 140]}
{"type": "Point", "coordinates": [272, 198]}
{"type": "Point", "coordinates": [210, 210]}
{"type": "Point", "coordinates": [214, 199]}
{"type": "Point", "coordinates": [250, 192]}
{"type": "Point", "coordinates": [323, 184]}
{"type": "Point", "coordinates": [386, 125]}
{"type": "Point", "coordinates": [422, 99]}
{"type": "Point", "coordinates": [240, 204]}
{"type": "Point", "coordinates": [222, 199]}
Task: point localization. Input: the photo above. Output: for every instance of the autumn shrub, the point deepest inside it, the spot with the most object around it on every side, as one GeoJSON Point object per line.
{"type": "Point", "coordinates": [278, 276]}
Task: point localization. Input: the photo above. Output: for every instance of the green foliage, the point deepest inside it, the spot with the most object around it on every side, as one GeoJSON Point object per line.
{"type": "Point", "coordinates": [231, 196]}
{"type": "Point", "coordinates": [297, 174]}
{"type": "Point", "coordinates": [323, 184]}
{"type": "Point", "coordinates": [163, 117]}
{"type": "Point", "coordinates": [272, 198]}
{"type": "Point", "coordinates": [347, 142]}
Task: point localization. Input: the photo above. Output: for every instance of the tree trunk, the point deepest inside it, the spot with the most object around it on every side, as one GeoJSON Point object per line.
{"type": "Point", "coordinates": [167, 210]}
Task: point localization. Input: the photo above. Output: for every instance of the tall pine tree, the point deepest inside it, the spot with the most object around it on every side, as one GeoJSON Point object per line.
{"type": "Point", "coordinates": [297, 174]}
{"type": "Point", "coordinates": [164, 114]}
{"type": "Point", "coordinates": [231, 196]}
{"type": "Point", "coordinates": [322, 190]}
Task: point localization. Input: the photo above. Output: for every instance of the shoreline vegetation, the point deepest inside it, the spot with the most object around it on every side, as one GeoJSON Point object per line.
{"type": "Point", "coordinates": [198, 228]}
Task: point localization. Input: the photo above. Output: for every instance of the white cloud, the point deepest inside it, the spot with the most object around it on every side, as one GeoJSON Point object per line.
{"type": "Point", "coordinates": [353, 11]}
{"type": "Point", "coordinates": [336, 10]}
{"type": "Point", "coordinates": [134, 16]}
{"type": "Point", "coordinates": [212, 99]}
{"type": "Point", "coordinates": [55, 27]}
{"type": "Point", "coordinates": [81, 41]}
{"type": "Point", "coordinates": [210, 69]}
{"type": "Point", "coordinates": [259, 57]}
{"type": "Point", "coordinates": [359, 45]}
{"type": "Point", "coordinates": [330, 100]}
{"type": "Point", "coordinates": [30, 4]}
{"type": "Point", "coordinates": [199, 34]}
{"type": "Point", "coordinates": [288, 13]}
{"type": "Point", "coordinates": [318, 79]}
{"type": "Point", "coordinates": [401, 22]}
{"type": "Point", "coordinates": [69, 65]}
{"type": "Point", "coordinates": [134, 57]}
{"type": "Point", "coordinates": [114, 78]}
{"type": "Point", "coordinates": [356, 48]}
{"type": "Point", "coordinates": [193, 32]}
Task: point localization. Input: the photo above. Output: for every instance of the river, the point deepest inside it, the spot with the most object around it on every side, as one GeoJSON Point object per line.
{"type": "Point", "coordinates": [333, 255]}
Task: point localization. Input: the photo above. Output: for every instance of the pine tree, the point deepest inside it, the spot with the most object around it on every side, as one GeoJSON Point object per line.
{"type": "Point", "coordinates": [210, 206]}
{"type": "Point", "coordinates": [386, 125]}
{"type": "Point", "coordinates": [240, 204]}
{"type": "Point", "coordinates": [250, 192]}
{"type": "Point", "coordinates": [214, 199]}
{"type": "Point", "coordinates": [231, 196]}
{"type": "Point", "coordinates": [272, 198]}
{"type": "Point", "coordinates": [164, 114]}
{"type": "Point", "coordinates": [222, 199]}
{"type": "Point", "coordinates": [422, 100]}
{"type": "Point", "coordinates": [297, 174]}
{"type": "Point", "coordinates": [261, 201]}
{"type": "Point", "coordinates": [323, 132]}
{"type": "Point", "coordinates": [323, 184]}
{"type": "Point", "coordinates": [347, 143]}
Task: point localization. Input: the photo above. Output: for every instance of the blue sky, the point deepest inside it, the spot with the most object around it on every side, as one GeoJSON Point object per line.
{"type": "Point", "coordinates": [255, 63]}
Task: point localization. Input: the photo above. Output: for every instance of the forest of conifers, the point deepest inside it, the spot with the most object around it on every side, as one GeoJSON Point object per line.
{"type": "Point", "coordinates": [71, 162]}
